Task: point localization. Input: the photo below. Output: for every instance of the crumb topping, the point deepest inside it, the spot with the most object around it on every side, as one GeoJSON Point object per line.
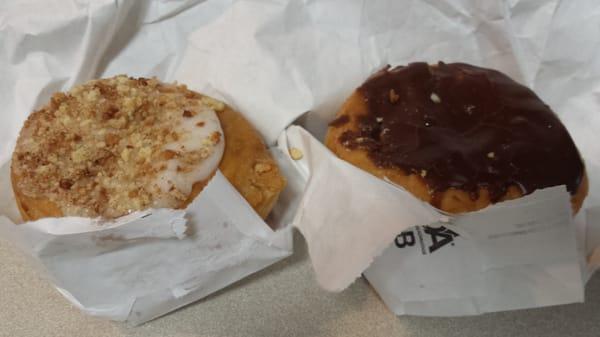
{"type": "Point", "coordinates": [116, 145]}
{"type": "Point", "coordinates": [296, 153]}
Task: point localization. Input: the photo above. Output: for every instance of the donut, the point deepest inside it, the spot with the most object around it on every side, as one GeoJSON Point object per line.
{"type": "Point", "coordinates": [457, 136]}
{"type": "Point", "coordinates": [112, 146]}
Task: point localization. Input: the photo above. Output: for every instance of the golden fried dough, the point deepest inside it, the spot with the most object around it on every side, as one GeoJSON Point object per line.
{"type": "Point", "coordinates": [248, 164]}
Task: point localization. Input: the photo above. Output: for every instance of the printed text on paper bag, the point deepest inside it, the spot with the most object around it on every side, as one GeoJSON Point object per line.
{"type": "Point", "coordinates": [430, 238]}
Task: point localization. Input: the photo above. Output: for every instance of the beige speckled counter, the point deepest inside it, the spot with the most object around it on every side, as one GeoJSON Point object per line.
{"type": "Point", "coordinates": [283, 300]}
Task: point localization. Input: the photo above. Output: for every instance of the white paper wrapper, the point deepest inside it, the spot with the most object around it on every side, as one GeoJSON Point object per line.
{"type": "Point", "coordinates": [151, 262]}
{"type": "Point", "coordinates": [276, 60]}
{"type": "Point", "coordinates": [311, 55]}
{"type": "Point", "coordinates": [517, 254]}
{"type": "Point", "coordinates": [513, 255]}
{"type": "Point", "coordinates": [148, 263]}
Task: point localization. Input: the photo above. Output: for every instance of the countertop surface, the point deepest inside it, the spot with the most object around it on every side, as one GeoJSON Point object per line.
{"type": "Point", "coordinates": [283, 300]}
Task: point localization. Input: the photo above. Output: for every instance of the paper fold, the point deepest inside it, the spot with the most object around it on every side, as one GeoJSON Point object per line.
{"type": "Point", "coordinates": [341, 249]}
{"type": "Point", "coordinates": [516, 254]}
{"type": "Point", "coordinates": [166, 258]}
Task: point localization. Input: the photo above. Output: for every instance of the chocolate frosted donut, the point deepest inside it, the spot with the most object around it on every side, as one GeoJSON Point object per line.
{"type": "Point", "coordinates": [457, 136]}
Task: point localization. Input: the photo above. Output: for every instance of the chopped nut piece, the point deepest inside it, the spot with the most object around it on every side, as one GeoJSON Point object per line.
{"type": "Point", "coordinates": [296, 154]}
{"type": "Point", "coordinates": [111, 139]}
{"type": "Point", "coordinates": [177, 194]}
{"type": "Point", "coordinates": [262, 168]}
{"type": "Point", "coordinates": [145, 153]}
{"type": "Point", "coordinates": [125, 154]}
{"type": "Point", "coordinates": [79, 155]}
{"type": "Point", "coordinates": [435, 98]}
{"type": "Point", "coordinates": [491, 155]}
{"type": "Point", "coordinates": [394, 97]}
{"type": "Point", "coordinates": [423, 173]}
{"type": "Point", "coordinates": [57, 99]}
{"type": "Point", "coordinates": [213, 103]}
{"type": "Point", "coordinates": [65, 184]}
{"type": "Point", "coordinates": [110, 113]}
{"type": "Point", "coordinates": [168, 154]}
{"type": "Point", "coordinates": [215, 137]}
{"type": "Point", "coordinates": [191, 94]}
{"type": "Point", "coordinates": [118, 123]}
{"type": "Point", "coordinates": [469, 109]}
{"type": "Point", "coordinates": [42, 169]}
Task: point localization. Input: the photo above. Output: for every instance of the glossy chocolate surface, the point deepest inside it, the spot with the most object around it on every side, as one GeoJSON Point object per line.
{"type": "Point", "coordinates": [466, 127]}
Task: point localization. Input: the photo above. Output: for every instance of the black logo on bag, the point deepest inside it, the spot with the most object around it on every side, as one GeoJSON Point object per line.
{"type": "Point", "coordinates": [405, 239]}
{"type": "Point", "coordinates": [438, 236]}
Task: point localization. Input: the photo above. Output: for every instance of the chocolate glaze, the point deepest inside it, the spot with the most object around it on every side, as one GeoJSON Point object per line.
{"type": "Point", "coordinates": [341, 120]}
{"type": "Point", "coordinates": [465, 127]}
